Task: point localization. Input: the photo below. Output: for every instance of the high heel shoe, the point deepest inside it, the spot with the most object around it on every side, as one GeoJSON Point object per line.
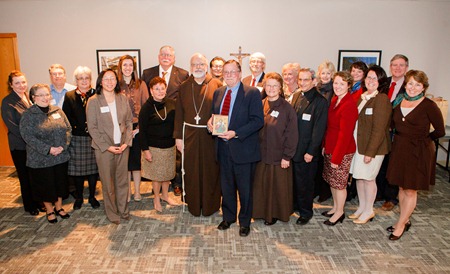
{"type": "Point", "coordinates": [340, 220]}
{"type": "Point", "coordinates": [391, 228]}
{"type": "Point", "coordinates": [58, 212]}
{"type": "Point", "coordinates": [53, 221]}
{"type": "Point", "coordinates": [157, 206]}
{"type": "Point", "coordinates": [327, 214]}
{"type": "Point", "coordinates": [170, 201]}
{"type": "Point", "coordinates": [393, 237]}
{"type": "Point", "coordinates": [361, 222]}
{"type": "Point", "coordinates": [354, 216]}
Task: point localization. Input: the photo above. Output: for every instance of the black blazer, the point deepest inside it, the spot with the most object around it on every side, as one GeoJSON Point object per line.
{"type": "Point", "coordinates": [177, 76]}
{"type": "Point", "coordinates": [312, 113]}
{"type": "Point", "coordinates": [247, 118]}
{"type": "Point", "coordinates": [75, 112]}
{"type": "Point", "coordinates": [402, 88]}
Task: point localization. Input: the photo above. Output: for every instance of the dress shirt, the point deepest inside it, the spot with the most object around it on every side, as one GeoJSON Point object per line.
{"type": "Point", "coordinates": [234, 91]}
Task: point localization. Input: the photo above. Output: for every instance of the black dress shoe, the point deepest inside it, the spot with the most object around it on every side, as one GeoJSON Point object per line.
{"type": "Point", "coordinates": [58, 212]}
{"type": "Point", "coordinates": [340, 220]}
{"type": "Point", "coordinates": [244, 231]}
{"type": "Point", "coordinates": [224, 225]}
{"type": "Point", "coordinates": [94, 203]}
{"type": "Point", "coordinates": [53, 221]}
{"type": "Point", "coordinates": [393, 237]}
{"type": "Point", "coordinates": [302, 221]}
{"type": "Point", "coordinates": [42, 208]}
{"type": "Point", "coordinates": [326, 214]}
{"type": "Point", "coordinates": [274, 221]}
{"type": "Point", "coordinates": [34, 212]}
{"type": "Point", "coordinates": [391, 228]}
{"type": "Point", "coordinates": [177, 191]}
{"type": "Point", "coordinates": [77, 204]}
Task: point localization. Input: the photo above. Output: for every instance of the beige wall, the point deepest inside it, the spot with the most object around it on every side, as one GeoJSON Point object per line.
{"type": "Point", "coordinates": [69, 32]}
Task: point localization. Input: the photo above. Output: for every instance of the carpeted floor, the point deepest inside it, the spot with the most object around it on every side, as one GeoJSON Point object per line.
{"type": "Point", "coordinates": [177, 242]}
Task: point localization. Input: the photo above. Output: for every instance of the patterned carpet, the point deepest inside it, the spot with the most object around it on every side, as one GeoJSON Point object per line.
{"type": "Point", "coordinates": [176, 242]}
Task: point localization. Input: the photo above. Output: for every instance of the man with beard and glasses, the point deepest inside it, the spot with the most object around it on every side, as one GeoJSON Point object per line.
{"type": "Point", "coordinates": [193, 109]}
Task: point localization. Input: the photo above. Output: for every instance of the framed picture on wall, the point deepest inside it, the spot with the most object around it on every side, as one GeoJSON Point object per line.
{"type": "Point", "coordinates": [348, 57]}
{"type": "Point", "coordinates": [109, 58]}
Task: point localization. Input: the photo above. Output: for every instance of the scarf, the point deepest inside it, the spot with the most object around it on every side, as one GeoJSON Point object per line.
{"type": "Point", "coordinates": [402, 96]}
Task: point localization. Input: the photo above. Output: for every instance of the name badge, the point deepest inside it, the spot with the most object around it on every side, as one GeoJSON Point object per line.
{"type": "Point", "coordinates": [56, 116]}
{"type": "Point", "coordinates": [53, 102]}
{"type": "Point", "coordinates": [104, 109]}
{"type": "Point", "coordinates": [274, 113]}
{"type": "Point", "coordinates": [306, 117]}
{"type": "Point", "coordinates": [369, 111]}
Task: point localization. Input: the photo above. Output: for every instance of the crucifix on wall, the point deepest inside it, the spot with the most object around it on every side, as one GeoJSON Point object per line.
{"type": "Point", "coordinates": [240, 55]}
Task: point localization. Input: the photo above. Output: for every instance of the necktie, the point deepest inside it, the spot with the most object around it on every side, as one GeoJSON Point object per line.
{"type": "Point", "coordinates": [253, 82]}
{"type": "Point", "coordinates": [83, 99]}
{"type": "Point", "coordinates": [391, 90]}
{"type": "Point", "coordinates": [164, 75]}
{"type": "Point", "coordinates": [226, 103]}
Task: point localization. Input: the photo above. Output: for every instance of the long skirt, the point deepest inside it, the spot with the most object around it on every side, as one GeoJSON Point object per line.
{"type": "Point", "coordinates": [82, 157]}
{"type": "Point", "coordinates": [49, 183]}
{"type": "Point", "coordinates": [272, 192]}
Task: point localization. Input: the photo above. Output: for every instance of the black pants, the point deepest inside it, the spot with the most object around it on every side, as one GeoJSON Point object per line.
{"type": "Point", "coordinates": [79, 185]}
{"type": "Point", "coordinates": [386, 191]}
{"type": "Point", "coordinates": [304, 174]}
{"type": "Point", "coordinates": [20, 158]}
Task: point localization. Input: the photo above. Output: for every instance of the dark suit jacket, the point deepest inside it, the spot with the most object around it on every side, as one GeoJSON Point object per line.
{"type": "Point", "coordinates": [402, 89]}
{"type": "Point", "coordinates": [12, 109]}
{"type": "Point", "coordinates": [247, 119]}
{"type": "Point", "coordinates": [177, 76]}
{"type": "Point", "coordinates": [312, 113]}
{"type": "Point", "coordinates": [75, 112]}
{"type": "Point", "coordinates": [248, 80]}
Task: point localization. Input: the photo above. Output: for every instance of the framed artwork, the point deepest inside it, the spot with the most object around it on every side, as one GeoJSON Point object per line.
{"type": "Point", "coordinates": [348, 57]}
{"type": "Point", "coordinates": [220, 124]}
{"type": "Point", "coordinates": [109, 58]}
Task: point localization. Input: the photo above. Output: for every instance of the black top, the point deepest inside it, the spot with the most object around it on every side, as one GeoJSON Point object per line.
{"type": "Point", "coordinates": [327, 91]}
{"type": "Point", "coordinates": [154, 131]}
{"type": "Point", "coordinates": [74, 107]}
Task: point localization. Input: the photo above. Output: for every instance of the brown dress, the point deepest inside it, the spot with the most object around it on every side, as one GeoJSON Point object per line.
{"type": "Point", "coordinates": [273, 185]}
{"type": "Point", "coordinates": [201, 178]}
{"type": "Point", "coordinates": [412, 160]}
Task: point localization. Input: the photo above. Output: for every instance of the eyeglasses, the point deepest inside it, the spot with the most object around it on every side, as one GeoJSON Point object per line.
{"type": "Point", "coordinates": [272, 86]}
{"type": "Point", "coordinates": [83, 79]}
{"type": "Point", "coordinates": [231, 72]}
{"type": "Point", "coordinates": [198, 65]}
{"type": "Point", "coordinates": [217, 67]}
{"type": "Point", "coordinates": [372, 78]}
{"type": "Point", "coordinates": [305, 80]}
{"type": "Point", "coordinates": [57, 74]}
{"type": "Point", "coordinates": [42, 95]}
{"type": "Point", "coordinates": [165, 55]}
{"type": "Point", "coordinates": [256, 62]}
{"type": "Point", "coordinates": [109, 79]}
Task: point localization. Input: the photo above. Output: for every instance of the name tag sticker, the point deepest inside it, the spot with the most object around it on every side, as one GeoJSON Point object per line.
{"type": "Point", "coordinates": [56, 116]}
{"type": "Point", "coordinates": [274, 114]}
{"type": "Point", "coordinates": [52, 102]}
{"type": "Point", "coordinates": [369, 111]}
{"type": "Point", "coordinates": [104, 109]}
{"type": "Point", "coordinates": [306, 117]}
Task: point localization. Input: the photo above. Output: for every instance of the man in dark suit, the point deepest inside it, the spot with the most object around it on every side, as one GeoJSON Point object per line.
{"type": "Point", "coordinates": [257, 66]}
{"type": "Point", "coordinates": [237, 150]}
{"type": "Point", "coordinates": [398, 67]}
{"type": "Point", "coordinates": [312, 112]}
{"type": "Point", "coordinates": [174, 75]}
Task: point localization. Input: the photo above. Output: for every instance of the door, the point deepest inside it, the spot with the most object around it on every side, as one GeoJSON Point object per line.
{"type": "Point", "coordinates": [9, 60]}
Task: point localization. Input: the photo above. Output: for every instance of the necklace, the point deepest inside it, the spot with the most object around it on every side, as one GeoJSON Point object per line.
{"type": "Point", "coordinates": [197, 116]}
{"type": "Point", "coordinates": [165, 113]}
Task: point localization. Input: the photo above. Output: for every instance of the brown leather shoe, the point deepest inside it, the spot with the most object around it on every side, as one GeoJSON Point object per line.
{"type": "Point", "coordinates": [177, 191]}
{"type": "Point", "coordinates": [388, 206]}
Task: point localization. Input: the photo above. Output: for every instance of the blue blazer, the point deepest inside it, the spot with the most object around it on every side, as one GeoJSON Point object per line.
{"type": "Point", "coordinates": [247, 119]}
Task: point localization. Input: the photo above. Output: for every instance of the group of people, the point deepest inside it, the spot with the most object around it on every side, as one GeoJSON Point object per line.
{"type": "Point", "coordinates": [287, 136]}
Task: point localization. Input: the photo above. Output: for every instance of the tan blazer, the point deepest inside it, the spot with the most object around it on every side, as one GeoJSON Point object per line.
{"type": "Point", "coordinates": [373, 126]}
{"type": "Point", "coordinates": [100, 124]}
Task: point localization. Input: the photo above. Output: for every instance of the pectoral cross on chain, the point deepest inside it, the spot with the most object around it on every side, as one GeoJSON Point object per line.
{"type": "Point", "coordinates": [197, 119]}
{"type": "Point", "coordinates": [240, 55]}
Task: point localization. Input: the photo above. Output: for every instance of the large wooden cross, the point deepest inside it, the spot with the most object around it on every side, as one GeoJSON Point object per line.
{"type": "Point", "coordinates": [240, 55]}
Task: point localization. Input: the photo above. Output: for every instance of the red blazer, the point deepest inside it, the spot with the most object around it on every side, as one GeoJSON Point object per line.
{"type": "Point", "coordinates": [342, 118]}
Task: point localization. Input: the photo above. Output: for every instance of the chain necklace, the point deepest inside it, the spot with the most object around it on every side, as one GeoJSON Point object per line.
{"type": "Point", "coordinates": [197, 116]}
{"type": "Point", "coordinates": [165, 113]}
